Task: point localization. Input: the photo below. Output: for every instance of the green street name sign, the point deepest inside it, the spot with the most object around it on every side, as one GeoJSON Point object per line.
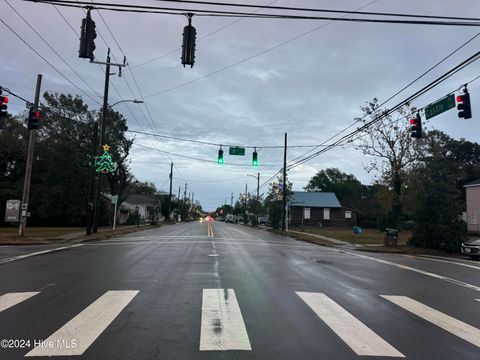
{"type": "Point", "coordinates": [440, 106]}
{"type": "Point", "coordinates": [236, 151]}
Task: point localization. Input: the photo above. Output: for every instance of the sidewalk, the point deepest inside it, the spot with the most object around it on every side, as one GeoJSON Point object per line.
{"type": "Point", "coordinates": [75, 236]}
{"type": "Point", "coordinates": [321, 237]}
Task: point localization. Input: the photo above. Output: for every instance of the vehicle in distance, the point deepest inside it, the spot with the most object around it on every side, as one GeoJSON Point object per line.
{"type": "Point", "coordinates": [229, 218]}
{"type": "Point", "coordinates": [471, 248]}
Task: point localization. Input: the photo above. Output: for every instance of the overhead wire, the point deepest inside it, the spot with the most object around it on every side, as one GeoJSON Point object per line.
{"type": "Point", "coordinates": [258, 147]}
{"type": "Point", "coordinates": [47, 62]}
{"type": "Point", "coordinates": [248, 58]}
{"type": "Point", "coordinates": [100, 66]}
{"type": "Point", "coordinates": [201, 12]}
{"type": "Point", "coordinates": [420, 92]}
{"type": "Point", "coordinates": [195, 158]}
{"type": "Point", "coordinates": [396, 93]}
{"type": "Point", "coordinates": [199, 39]}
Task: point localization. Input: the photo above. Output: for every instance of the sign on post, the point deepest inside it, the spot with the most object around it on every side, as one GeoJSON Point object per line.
{"type": "Point", "coordinates": [236, 151]}
{"type": "Point", "coordinates": [12, 212]}
{"type": "Point", "coordinates": [440, 106]}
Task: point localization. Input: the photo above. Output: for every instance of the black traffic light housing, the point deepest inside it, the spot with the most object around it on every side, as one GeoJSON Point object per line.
{"type": "Point", "coordinates": [255, 158]}
{"type": "Point", "coordinates": [416, 127]}
{"type": "Point", "coordinates": [87, 38]}
{"type": "Point", "coordinates": [188, 46]}
{"type": "Point", "coordinates": [464, 107]}
{"type": "Point", "coordinates": [33, 119]}
{"type": "Point", "coordinates": [3, 106]}
{"type": "Point", "coordinates": [220, 157]}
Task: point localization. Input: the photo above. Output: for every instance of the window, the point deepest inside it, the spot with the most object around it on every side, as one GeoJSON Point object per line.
{"type": "Point", "coordinates": [306, 213]}
{"type": "Point", "coordinates": [326, 214]}
{"type": "Point", "coordinates": [474, 219]}
{"type": "Point", "coordinates": [348, 214]}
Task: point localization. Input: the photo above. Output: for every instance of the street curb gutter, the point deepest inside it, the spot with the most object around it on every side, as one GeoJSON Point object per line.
{"type": "Point", "coordinates": [81, 238]}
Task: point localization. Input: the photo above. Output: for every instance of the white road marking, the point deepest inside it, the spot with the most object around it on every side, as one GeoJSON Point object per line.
{"type": "Point", "coordinates": [222, 322]}
{"type": "Point", "coordinates": [448, 323]}
{"type": "Point", "coordinates": [80, 332]}
{"type": "Point", "coordinates": [15, 258]}
{"type": "Point", "coordinates": [477, 299]}
{"type": "Point", "coordinates": [444, 261]}
{"type": "Point", "coordinates": [405, 267]}
{"type": "Point", "coordinates": [12, 299]}
{"type": "Point", "coordinates": [352, 331]}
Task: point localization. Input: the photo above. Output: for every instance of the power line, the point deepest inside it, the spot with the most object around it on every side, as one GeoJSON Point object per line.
{"type": "Point", "coordinates": [289, 8]}
{"type": "Point", "coordinates": [195, 158]}
{"type": "Point", "coordinates": [199, 39]}
{"type": "Point", "coordinates": [420, 92]}
{"type": "Point", "coordinates": [45, 60]}
{"type": "Point", "coordinates": [283, 43]}
{"type": "Point", "coordinates": [397, 93]}
{"type": "Point", "coordinates": [258, 147]}
{"type": "Point", "coordinates": [51, 48]}
{"type": "Point", "coordinates": [201, 12]}
{"type": "Point", "coordinates": [103, 70]}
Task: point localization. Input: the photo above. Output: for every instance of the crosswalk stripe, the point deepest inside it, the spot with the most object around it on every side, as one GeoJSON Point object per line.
{"type": "Point", "coordinates": [79, 333]}
{"type": "Point", "coordinates": [448, 323]}
{"type": "Point", "coordinates": [352, 331]}
{"type": "Point", "coordinates": [222, 322]}
{"type": "Point", "coordinates": [12, 299]}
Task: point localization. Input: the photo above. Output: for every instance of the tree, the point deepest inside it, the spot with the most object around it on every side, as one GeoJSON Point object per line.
{"type": "Point", "coordinates": [393, 150]}
{"type": "Point", "coordinates": [345, 186]}
{"type": "Point", "coordinates": [13, 148]}
{"type": "Point", "coordinates": [274, 201]}
{"type": "Point", "coordinates": [439, 207]}
{"type": "Point", "coordinates": [63, 161]}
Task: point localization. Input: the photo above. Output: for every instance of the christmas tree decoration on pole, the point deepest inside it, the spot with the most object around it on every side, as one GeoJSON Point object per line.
{"type": "Point", "coordinates": [104, 163]}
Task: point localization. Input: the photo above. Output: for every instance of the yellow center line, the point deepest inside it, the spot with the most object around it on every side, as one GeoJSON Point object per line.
{"type": "Point", "coordinates": [210, 230]}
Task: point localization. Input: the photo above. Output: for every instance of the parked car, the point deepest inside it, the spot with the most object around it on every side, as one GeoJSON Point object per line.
{"type": "Point", "coordinates": [229, 218]}
{"type": "Point", "coordinates": [262, 220]}
{"type": "Point", "coordinates": [471, 248]}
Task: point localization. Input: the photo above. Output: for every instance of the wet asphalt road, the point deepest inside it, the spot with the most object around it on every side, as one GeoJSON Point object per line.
{"type": "Point", "coordinates": [168, 274]}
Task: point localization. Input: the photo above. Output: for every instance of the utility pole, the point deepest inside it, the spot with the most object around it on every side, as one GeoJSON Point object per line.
{"type": "Point", "coordinates": [193, 198]}
{"type": "Point", "coordinates": [185, 193]}
{"type": "Point", "coordinates": [28, 168]}
{"type": "Point", "coordinates": [231, 200]}
{"type": "Point", "coordinates": [99, 178]}
{"type": "Point", "coordinates": [170, 192]}
{"type": "Point", "coordinates": [284, 217]}
{"type": "Point", "coordinates": [245, 219]}
{"type": "Point", "coordinates": [258, 196]}
{"type": "Point", "coordinates": [179, 190]}
{"type": "Point", "coordinates": [93, 152]}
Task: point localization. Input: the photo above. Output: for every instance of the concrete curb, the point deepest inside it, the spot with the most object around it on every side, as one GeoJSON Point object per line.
{"type": "Point", "coordinates": [81, 238]}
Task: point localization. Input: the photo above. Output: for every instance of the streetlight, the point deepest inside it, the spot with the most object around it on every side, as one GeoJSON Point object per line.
{"type": "Point", "coordinates": [135, 101]}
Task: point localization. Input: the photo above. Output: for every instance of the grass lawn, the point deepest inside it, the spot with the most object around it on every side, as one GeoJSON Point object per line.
{"type": "Point", "coordinates": [368, 236]}
{"type": "Point", "coordinates": [41, 231]}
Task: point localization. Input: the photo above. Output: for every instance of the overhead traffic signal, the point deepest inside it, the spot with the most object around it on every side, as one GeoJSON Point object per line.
{"type": "Point", "coordinates": [464, 105]}
{"type": "Point", "coordinates": [3, 106]}
{"type": "Point", "coordinates": [188, 46]}
{"type": "Point", "coordinates": [87, 38]}
{"type": "Point", "coordinates": [255, 158]}
{"type": "Point", "coordinates": [416, 127]}
{"type": "Point", "coordinates": [33, 119]}
{"type": "Point", "coordinates": [220, 157]}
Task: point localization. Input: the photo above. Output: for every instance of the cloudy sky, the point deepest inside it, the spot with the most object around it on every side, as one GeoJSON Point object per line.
{"type": "Point", "coordinates": [253, 80]}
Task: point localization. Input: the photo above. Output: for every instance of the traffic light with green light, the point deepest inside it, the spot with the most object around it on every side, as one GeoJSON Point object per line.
{"type": "Point", "coordinates": [255, 158]}
{"type": "Point", "coordinates": [220, 157]}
